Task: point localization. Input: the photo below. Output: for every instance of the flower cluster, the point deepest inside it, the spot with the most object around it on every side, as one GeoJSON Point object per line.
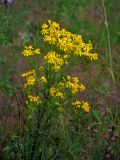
{"type": "Point", "coordinates": [30, 78]}
{"type": "Point", "coordinates": [32, 103]}
{"type": "Point", "coordinates": [54, 60]}
{"type": "Point", "coordinates": [30, 51]}
{"type": "Point", "coordinates": [55, 92]}
{"type": "Point", "coordinates": [51, 78]}
{"type": "Point", "coordinates": [67, 41]}
{"type": "Point", "coordinates": [33, 99]}
{"type": "Point", "coordinates": [74, 85]}
{"type": "Point", "coordinates": [84, 105]}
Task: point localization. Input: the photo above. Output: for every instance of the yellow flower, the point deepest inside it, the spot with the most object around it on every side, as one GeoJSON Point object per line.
{"type": "Point", "coordinates": [81, 87]}
{"type": "Point", "coordinates": [74, 84]}
{"type": "Point", "coordinates": [30, 78]}
{"type": "Point", "coordinates": [69, 84]}
{"type": "Point", "coordinates": [55, 92]}
{"type": "Point", "coordinates": [67, 41]}
{"type": "Point", "coordinates": [30, 81]}
{"type": "Point", "coordinates": [60, 94]}
{"type": "Point", "coordinates": [52, 91]}
{"type": "Point", "coordinates": [36, 51]}
{"type": "Point", "coordinates": [28, 73]}
{"type": "Point", "coordinates": [28, 47]}
{"type": "Point", "coordinates": [49, 21]}
{"type": "Point", "coordinates": [86, 106]}
{"type": "Point", "coordinates": [43, 79]}
{"type": "Point", "coordinates": [60, 85]}
{"type": "Point", "coordinates": [75, 80]}
{"type": "Point", "coordinates": [33, 98]}
{"type": "Point", "coordinates": [77, 104]}
{"type": "Point", "coordinates": [41, 68]}
{"type": "Point", "coordinates": [54, 60]}
{"type": "Point", "coordinates": [68, 77]}
{"type": "Point", "coordinates": [44, 26]}
{"type": "Point", "coordinates": [29, 51]}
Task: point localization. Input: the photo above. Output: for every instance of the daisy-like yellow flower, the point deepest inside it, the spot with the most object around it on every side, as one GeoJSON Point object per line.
{"type": "Point", "coordinates": [28, 73]}
{"type": "Point", "coordinates": [30, 51]}
{"type": "Point", "coordinates": [86, 106]}
{"type": "Point", "coordinates": [52, 91]}
{"type": "Point", "coordinates": [36, 51]}
{"type": "Point", "coordinates": [59, 94]}
{"type": "Point", "coordinates": [30, 78]}
{"type": "Point", "coordinates": [82, 87]}
{"type": "Point", "coordinates": [34, 99]}
{"type": "Point", "coordinates": [74, 84]}
{"type": "Point", "coordinates": [76, 104]}
{"type": "Point", "coordinates": [30, 81]}
{"type": "Point", "coordinates": [55, 92]}
{"type": "Point", "coordinates": [67, 41]}
{"type": "Point", "coordinates": [43, 80]}
{"type": "Point", "coordinates": [54, 60]}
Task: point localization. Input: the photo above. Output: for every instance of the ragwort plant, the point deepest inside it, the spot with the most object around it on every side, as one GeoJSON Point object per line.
{"type": "Point", "coordinates": [50, 90]}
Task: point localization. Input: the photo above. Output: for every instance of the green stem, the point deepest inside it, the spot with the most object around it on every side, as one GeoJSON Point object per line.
{"type": "Point", "coordinates": [108, 39]}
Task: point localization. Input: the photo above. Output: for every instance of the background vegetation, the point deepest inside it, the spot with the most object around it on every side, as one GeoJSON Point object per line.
{"type": "Point", "coordinates": [95, 136]}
